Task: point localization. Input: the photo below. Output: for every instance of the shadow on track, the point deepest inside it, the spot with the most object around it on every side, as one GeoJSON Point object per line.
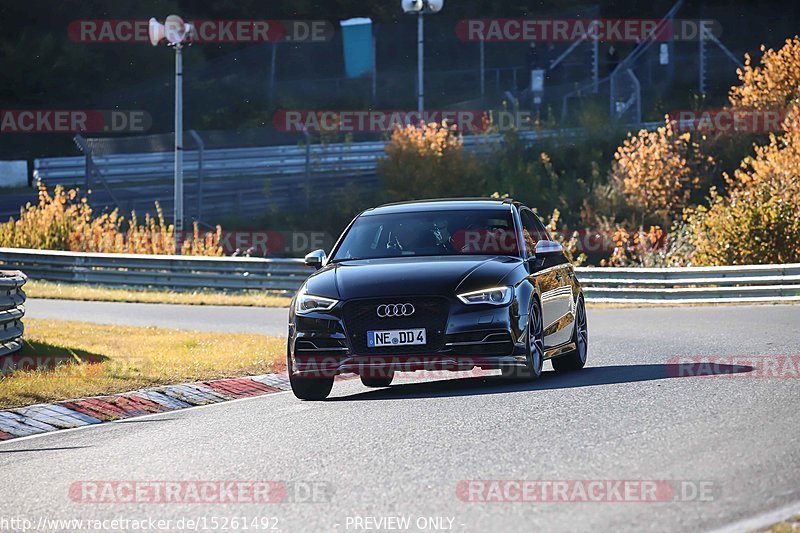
{"type": "Point", "coordinates": [595, 375]}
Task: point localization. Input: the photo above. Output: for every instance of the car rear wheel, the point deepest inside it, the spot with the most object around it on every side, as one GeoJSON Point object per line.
{"type": "Point", "coordinates": [383, 379]}
{"type": "Point", "coordinates": [576, 359]}
{"type": "Point", "coordinates": [534, 348]}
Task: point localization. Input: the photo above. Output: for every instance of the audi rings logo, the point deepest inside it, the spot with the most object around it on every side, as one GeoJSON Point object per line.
{"type": "Point", "coordinates": [395, 310]}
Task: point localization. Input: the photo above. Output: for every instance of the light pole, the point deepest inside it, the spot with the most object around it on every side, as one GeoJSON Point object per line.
{"type": "Point", "coordinates": [420, 8]}
{"type": "Point", "coordinates": [176, 32]}
{"type": "Point", "coordinates": [178, 142]}
{"type": "Point", "coordinates": [420, 63]}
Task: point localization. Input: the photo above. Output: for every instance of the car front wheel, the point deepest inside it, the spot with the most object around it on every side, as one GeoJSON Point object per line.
{"type": "Point", "coordinates": [311, 388]}
{"type": "Point", "coordinates": [534, 348]}
{"type": "Point", "coordinates": [382, 379]}
{"type": "Point", "coordinates": [308, 388]}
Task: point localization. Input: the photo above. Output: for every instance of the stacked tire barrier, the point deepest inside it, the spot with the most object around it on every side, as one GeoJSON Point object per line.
{"type": "Point", "coordinates": [12, 309]}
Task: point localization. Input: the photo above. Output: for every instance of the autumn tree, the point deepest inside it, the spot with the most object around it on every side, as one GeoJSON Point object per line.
{"type": "Point", "coordinates": [774, 84]}
{"type": "Point", "coordinates": [758, 219]}
{"type": "Point", "coordinates": [656, 172]}
{"type": "Point", "coordinates": [428, 161]}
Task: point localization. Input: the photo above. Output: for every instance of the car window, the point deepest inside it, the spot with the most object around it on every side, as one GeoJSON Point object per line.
{"type": "Point", "coordinates": [532, 230]}
{"type": "Point", "coordinates": [456, 232]}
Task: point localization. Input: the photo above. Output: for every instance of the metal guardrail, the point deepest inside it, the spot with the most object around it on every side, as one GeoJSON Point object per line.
{"type": "Point", "coordinates": [345, 159]}
{"type": "Point", "coordinates": [171, 272]}
{"type": "Point", "coordinates": [277, 161]}
{"type": "Point", "coordinates": [12, 309]}
{"type": "Point", "coordinates": [742, 284]}
{"type": "Point", "coordinates": [756, 283]}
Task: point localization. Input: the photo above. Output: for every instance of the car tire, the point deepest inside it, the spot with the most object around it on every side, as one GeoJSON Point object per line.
{"type": "Point", "coordinates": [534, 348]}
{"type": "Point", "coordinates": [378, 380]}
{"type": "Point", "coordinates": [305, 388]}
{"type": "Point", "coordinates": [575, 359]}
{"type": "Point", "coordinates": [311, 388]}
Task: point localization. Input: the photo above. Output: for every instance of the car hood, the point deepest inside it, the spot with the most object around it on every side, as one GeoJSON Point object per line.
{"type": "Point", "coordinates": [410, 276]}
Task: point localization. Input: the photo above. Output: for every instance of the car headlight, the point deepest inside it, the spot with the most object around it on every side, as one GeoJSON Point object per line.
{"type": "Point", "coordinates": [308, 303]}
{"type": "Point", "coordinates": [495, 296]}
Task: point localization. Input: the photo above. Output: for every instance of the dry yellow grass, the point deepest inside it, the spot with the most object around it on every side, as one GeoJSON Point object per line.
{"type": "Point", "coordinates": [64, 220]}
{"type": "Point", "coordinates": [65, 291]}
{"type": "Point", "coordinates": [78, 359]}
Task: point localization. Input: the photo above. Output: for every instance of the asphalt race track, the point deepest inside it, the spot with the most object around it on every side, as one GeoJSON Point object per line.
{"type": "Point", "coordinates": [403, 451]}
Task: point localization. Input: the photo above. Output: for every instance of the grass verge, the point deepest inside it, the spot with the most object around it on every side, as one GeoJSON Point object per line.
{"type": "Point", "coordinates": [64, 359]}
{"type": "Point", "coordinates": [66, 291]}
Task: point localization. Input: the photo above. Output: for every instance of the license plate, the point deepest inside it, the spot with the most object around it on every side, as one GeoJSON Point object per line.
{"type": "Point", "coordinates": [395, 337]}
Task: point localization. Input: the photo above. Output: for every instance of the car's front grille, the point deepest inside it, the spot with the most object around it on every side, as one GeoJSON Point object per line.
{"type": "Point", "coordinates": [430, 313]}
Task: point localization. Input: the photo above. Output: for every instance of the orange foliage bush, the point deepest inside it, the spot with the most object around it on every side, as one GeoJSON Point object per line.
{"type": "Point", "coordinates": [758, 220]}
{"type": "Point", "coordinates": [429, 161]}
{"type": "Point", "coordinates": [656, 172]}
{"type": "Point", "coordinates": [775, 84]}
{"type": "Point", "coordinates": [636, 248]}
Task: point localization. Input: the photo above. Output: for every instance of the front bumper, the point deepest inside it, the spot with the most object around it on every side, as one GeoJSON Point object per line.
{"type": "Point", "coordinates": [463, 337]}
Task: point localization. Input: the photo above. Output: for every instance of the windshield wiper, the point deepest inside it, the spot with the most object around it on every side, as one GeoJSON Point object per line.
{"type": "Point", "coordinates": [347, 259]}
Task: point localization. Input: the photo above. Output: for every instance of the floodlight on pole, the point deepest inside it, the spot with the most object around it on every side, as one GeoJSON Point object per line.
{"type": "Point", "coordinates": [420, 8]}
{"type": "Point", "coordinates": [176, 33]}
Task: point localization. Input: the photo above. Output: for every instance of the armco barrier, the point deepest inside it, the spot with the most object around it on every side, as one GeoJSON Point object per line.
{"type": "Point", "coordinates": [173, 272]}
{"type": "Point", "coordinates": [633, 285]}
{"type": "Point", "coordinates": [742, 284]}
{"type": "Point", "coordinates": [345, 160]}
{"type": "Point", "coordinates": [12, 309]}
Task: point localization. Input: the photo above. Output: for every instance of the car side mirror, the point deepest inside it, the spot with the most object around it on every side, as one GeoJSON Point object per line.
{"type": "Point", "coordinates": [548, 248]}
{"type": "Point", "coordinates": [315, 259]}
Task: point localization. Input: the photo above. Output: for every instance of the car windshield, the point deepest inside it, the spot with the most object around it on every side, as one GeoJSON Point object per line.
{"type": "Point", "coordinates": [457, 232]}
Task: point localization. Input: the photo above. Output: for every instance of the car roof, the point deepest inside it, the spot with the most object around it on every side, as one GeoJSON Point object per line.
{"type": "Point", "coordinates": [441, 204]}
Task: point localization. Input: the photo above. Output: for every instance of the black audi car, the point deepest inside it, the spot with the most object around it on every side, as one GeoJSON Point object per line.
{"type": "Point", "coordinates": [449, 284]}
